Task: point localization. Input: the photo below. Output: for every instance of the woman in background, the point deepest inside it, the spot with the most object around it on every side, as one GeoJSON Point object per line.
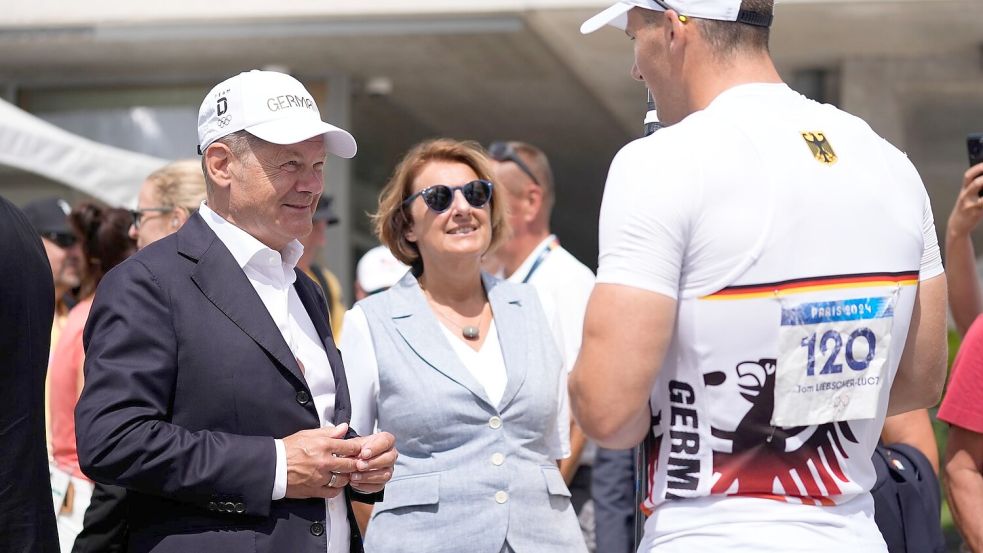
{"type": "Point", "coordinates": [168, 197]}
{"type": "Point", "coordinates": [102, 233]}
{"type": "Point", "coordinates": [461, 367]}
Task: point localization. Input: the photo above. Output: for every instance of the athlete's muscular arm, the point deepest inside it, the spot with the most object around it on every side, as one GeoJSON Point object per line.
{"type": "Point", "coordinates": [964, 484]}
{"type": "Point", "coordinates": [965, 298]}
{"type": "Point", "coordinates": [913, 428]}
{"type": "Point", "coordinates": [626, 334]}
{"type": "Point", "coordinates": [921, 373]}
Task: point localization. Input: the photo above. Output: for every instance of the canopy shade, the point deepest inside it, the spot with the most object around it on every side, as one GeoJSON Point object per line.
{"type": "Point", "coordinates": [112, 175]}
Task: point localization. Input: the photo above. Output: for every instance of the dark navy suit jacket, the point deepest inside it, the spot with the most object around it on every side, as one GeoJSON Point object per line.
{"type": "Point", "coordinates": [187, 382]}
{"type": "Point", "coordinates": [27, 305]}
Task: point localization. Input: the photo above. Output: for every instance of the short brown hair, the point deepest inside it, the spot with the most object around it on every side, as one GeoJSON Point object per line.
{"type": "Point", "coordinates": [392, 219]}
{"type": "Point", "coordinates": [727, 37]}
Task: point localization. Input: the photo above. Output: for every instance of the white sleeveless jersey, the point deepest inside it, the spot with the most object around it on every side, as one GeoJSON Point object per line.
{"type": "Point", "coordinates": [793, 238]}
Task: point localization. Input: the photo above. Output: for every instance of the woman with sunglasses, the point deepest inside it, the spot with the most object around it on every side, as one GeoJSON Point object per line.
{"type": "Point", "coordinates": [102, 233]}
{"type": "Point", "coordinates": [462, 369]}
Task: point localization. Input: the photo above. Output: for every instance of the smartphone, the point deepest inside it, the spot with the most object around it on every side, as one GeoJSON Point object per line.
{"type": "Point", "coordinates": [974, 147]}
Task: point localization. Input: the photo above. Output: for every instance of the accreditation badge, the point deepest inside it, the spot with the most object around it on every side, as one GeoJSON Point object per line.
{"type": "Point", "coordinates": [60, 482]}
{"type": "Point", "coordinates": [831, 360]}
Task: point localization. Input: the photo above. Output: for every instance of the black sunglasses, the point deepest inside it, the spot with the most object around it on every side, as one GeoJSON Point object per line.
{"type": "Point", "coordinates": [503, 151]}
{"type": "Point", "coordinates": [439, 197]}
{"type": "Point", "coordinates": [62, 239]}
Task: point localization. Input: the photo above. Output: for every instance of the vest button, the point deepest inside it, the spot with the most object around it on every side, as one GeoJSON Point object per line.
{"type": "Point", "coordinates": [495, 422]}
{"type": "Point", "coordinates": [501, 497]}
{"type": "Point", "coordinates": [497, 459]}
{"type": "Point", "coordinates": [303, 397]}
{"type": "Point", "coordinates": [317, 529]}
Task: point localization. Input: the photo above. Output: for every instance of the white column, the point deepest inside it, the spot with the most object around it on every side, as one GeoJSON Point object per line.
{"type": "Point", "coordinates": [337, 183]}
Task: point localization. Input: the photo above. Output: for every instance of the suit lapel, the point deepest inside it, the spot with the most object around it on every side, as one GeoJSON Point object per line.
{"type": "Point", "coordinates": [317, 310]}
{"type": "Point", "coordinates": [512, 335]}
{"type": "Point", "coordinates": [421, 331]}
{"type": "Point", "coordinates": [222, 281]}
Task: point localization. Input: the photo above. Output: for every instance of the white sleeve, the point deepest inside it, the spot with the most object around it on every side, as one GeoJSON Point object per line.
{"type": "Point", "coordinates": [563, 417]}
{"type": "Point", "coordinates": [570, 317]}
{"type": "Point", "coordinates": [645, 218]}
{"type": "Point", "coordinates": [931, 257]}
{"type": "Point", "coordinates": [362, 371]}
{"type": "Point", "coordinates": [280, 478]}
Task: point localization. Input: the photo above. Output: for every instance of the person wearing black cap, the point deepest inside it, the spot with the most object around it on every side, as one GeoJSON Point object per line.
{"type": "Point", "coordinates": [313, 243]}
{"type": "Point", "coordinates": [27, 519]}
{"type": "Point", "coordinates": [49, 217]}
{"type": "Point", "coordinates": [769, 289]}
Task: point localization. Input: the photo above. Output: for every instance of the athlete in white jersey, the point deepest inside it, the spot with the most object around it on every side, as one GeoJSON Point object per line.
{"type": "Point", "coordinates": [769, 289]}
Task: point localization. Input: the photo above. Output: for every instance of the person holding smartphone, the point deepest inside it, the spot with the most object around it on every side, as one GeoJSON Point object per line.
{"type": "Point", "coordinates": [963, 456]}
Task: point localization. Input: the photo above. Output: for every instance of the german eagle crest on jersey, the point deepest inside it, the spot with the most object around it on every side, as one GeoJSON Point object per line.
{"type": "Point", "coordinates": [820, 147]}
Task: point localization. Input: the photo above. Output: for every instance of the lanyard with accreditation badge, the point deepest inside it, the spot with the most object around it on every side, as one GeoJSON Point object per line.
{"type": "Point", "coordinates": [555, 243]}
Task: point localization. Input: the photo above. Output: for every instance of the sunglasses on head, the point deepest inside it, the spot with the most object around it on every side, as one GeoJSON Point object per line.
{"type": "Point", "coordinates": [503, 151]}
{"type": "Point", "coordinates": [439, 197]}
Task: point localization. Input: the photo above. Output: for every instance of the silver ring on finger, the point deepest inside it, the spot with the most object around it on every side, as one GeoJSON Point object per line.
{"type": "Point", "coordinates": [333, 480]}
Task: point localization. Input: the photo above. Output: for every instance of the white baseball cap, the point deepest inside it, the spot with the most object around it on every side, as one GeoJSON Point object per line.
{"type": "Point", "coordinates": [269, 105]}
{"type": "Point", "coordinates": [378, 270]}
{"type": "Point", "coordinates": [616, 15]}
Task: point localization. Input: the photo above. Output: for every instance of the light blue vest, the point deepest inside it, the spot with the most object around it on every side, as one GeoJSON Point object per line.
{"type": "Point", "coordinates": [470, 474]}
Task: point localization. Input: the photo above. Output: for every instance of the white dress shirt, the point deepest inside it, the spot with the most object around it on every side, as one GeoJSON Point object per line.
{"type": "Point", "coordinates": [272, 275]}
{"type": "Point", "coordinates": [486, 365]}
{"type": "Point", "coordinates": [563, 285]}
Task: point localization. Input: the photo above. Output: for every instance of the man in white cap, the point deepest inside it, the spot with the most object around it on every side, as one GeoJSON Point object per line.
{"type": "Point", "coordinates": [769, 289]}
{"type": "Point", "coordinates": [377, 271]}
{"type": "Point", "coordinates": [213, 388]}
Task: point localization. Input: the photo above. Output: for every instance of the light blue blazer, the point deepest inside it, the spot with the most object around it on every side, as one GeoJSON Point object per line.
{"type": "Point", "coordinates": [470, 474]}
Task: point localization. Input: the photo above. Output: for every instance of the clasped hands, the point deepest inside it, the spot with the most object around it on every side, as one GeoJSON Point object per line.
{"type": "Point", "coordinates": [320, 462]}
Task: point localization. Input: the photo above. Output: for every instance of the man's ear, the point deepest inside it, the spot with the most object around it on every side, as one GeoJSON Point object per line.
{"type": "Point", "coordinates": [534, 203]}
{"type": "Point", "coordinates": [678, 29]}
{"type": "Point", "coordinates": [218, 164]}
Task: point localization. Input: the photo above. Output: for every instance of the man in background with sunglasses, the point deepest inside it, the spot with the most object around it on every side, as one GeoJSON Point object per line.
{"type": "Point", "coordinates": [769, 289]}
{"type": "Point", "coordinates": [49, 216]}
{"type": "Point", "coordinates": [533, 255]}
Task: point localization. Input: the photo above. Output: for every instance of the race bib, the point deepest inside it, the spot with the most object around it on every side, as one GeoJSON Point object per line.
{"type": "Point", "coordinates": [831, 360]}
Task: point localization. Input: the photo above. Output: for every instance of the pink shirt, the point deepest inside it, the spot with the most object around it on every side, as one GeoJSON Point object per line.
{"type": "Point", "coordinates": [963, 402]}
{"type": "Point", "coordinates": [65, 385]}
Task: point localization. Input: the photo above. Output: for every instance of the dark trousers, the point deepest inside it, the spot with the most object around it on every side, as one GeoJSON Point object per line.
{"type": "Point", "coordinates": [580, 491]}
{"type": "Point", "coordinates": [104, 527]}
{"type": "Point", "coordinates": [613, 487]}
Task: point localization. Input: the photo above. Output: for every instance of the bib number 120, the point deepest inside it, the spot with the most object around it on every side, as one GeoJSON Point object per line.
{"type": "Point", "coordinates": [830, 344]}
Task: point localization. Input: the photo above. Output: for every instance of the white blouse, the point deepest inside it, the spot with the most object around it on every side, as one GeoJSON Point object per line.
{"type": "Point", "coordinates": [487, 365]}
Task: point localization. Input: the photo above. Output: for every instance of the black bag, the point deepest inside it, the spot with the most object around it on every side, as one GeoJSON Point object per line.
{"type": "Point", "coordinates": [907, 500]}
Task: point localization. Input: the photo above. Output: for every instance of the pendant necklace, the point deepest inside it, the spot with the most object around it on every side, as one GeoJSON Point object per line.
{"type": "Point", "coordinates": [469, 332]}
